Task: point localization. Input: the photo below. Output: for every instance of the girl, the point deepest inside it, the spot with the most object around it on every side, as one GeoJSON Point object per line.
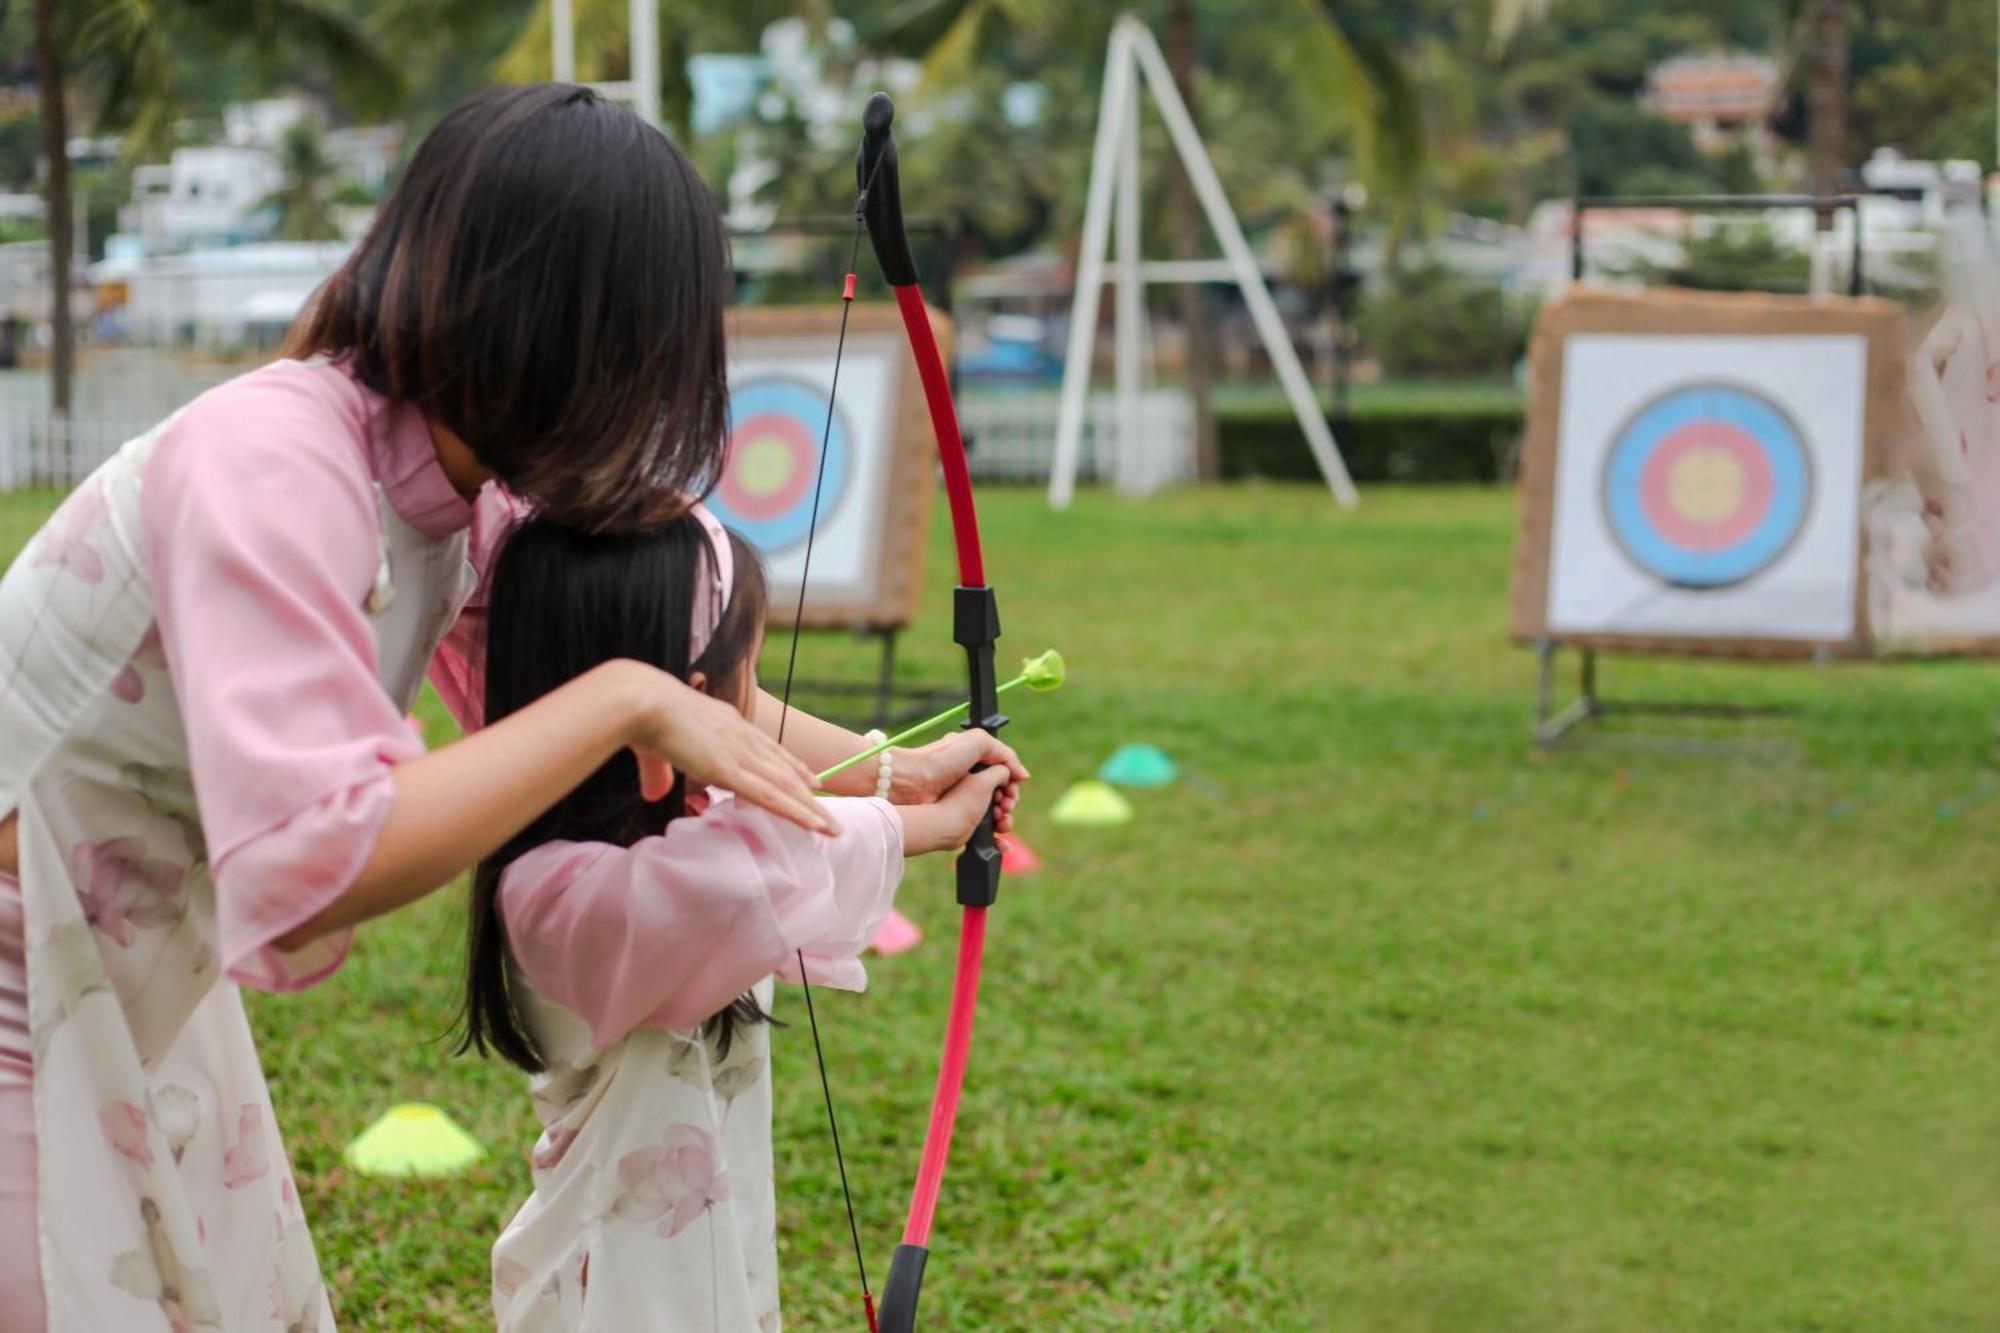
{"type": "Point", "coordinates": [622, 950]}
{"type": "Point", "coordinates": [207, 654]}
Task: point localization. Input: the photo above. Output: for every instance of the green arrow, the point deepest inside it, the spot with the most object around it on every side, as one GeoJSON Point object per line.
{"type": "Point", "coordinates": [1040, 674]}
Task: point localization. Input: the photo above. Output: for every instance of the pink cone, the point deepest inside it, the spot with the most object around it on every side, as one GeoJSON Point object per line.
{"type": "Point", "coordinates": [898, 934]}
{"type": "Point", "coordinates": [1016, 857]}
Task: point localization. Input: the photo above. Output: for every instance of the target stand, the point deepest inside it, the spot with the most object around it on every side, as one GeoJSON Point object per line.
{"type": "Point", "coordinates": [1552, 727]}
{"type": "Point", "coordinates": [872, 496]}
{"type": "Point", "coordinates": [1692, 485]}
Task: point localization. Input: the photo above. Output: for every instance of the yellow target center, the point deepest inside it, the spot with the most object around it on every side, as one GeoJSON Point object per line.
{"type": "Point", "coordinates": [763, 465]}
{"type": "Point", "coordinates": [1706, 486]}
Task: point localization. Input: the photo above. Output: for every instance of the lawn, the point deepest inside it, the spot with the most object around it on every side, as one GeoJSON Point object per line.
{"type": "Point", "coordinates": [1380, 1021]}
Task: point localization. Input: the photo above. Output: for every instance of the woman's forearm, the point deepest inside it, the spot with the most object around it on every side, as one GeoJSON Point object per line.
{"type": "Point", "coordinates": [460, 803]}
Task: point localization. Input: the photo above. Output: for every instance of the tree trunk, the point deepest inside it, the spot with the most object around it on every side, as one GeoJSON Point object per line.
{"type": "Point", "coordinates": [1826, 98]}
{"type": "Point", "coordinates": [1188, 231]}
{"type": "Point", "coordinates": [62, 221]}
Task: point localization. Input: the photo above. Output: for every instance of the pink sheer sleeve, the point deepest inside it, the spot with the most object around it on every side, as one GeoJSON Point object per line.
{"type": "Point", "coordinates": [668, 931]}
{"type": "Point", "coordinates": [261, 534]}
{"type": "Point", "coordinates": [458, 671]}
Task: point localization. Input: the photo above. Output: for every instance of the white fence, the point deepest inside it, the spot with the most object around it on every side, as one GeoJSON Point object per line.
{"type": "Point", "coordinates": [118, 393]}
{"type": "Point", "coordinates": [1011, 436]}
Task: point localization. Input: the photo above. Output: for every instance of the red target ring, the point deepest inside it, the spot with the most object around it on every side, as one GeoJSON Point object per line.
{"type": "Point", "coordinates": [770, 467]}
{"type": "Point", "coordinates": [1707, 485]}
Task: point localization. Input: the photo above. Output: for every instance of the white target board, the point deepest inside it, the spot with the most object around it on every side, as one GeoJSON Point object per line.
{"type": "Point", "coordinates": [866, 509]}
{"type": "Point", "coordinates": [1694, 472]}
{"type": "Point", "coordinates": [781, 420]}
{"type": "Point", "coordinates": [1708, 485]}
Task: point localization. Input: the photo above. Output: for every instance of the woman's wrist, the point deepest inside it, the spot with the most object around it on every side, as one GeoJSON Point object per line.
{"type": "Point", "coordinates": [634, 698]}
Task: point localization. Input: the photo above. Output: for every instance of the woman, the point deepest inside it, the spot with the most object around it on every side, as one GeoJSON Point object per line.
{"type": "Point", "coordinates": [204, 771]}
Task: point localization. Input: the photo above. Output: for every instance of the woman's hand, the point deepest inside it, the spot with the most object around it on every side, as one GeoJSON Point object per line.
{"type": "Point", "coordinates": [925, 774]}
{"type": "Point", "coordinates": [947, 823]}
{"type": "Point", "coordinates": [714, 745]}
{"type": "Point", "coordinates": [459, 803]}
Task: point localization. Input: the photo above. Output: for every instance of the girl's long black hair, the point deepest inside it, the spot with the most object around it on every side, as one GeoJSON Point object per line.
{"type": "Point", "coordinates": [564, 601]}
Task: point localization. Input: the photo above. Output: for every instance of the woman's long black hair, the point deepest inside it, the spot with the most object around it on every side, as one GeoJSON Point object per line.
{"type": "Point", "coordinates": [547, 280]}
{"type": "Point", "coordinates": [562, 602]}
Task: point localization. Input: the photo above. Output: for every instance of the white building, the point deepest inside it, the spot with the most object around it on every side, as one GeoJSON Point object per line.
{"type": "Point", "coordinates": [205, 196]}
{"type": "Point", "coordinates": [239, 296]}
{"type": "Point", "coordinates": [212, 194]}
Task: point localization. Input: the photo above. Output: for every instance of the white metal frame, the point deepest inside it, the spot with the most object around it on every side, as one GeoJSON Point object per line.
{"type": "Point", "coordinates": [1114, 167]}
{"type": "Point", "coordinates": [642, 90]}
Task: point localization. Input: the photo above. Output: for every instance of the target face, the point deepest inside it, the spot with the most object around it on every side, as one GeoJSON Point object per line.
{"type": "Point", "coordinates": [766, 491]}
{"type": "Point", "coordinates": [1707, 485]}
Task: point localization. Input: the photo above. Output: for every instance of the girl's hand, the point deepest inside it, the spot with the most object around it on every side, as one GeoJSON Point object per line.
{"type": "Point", "coordinates": [925, 774]}
{"type": "Point", "coordinates": [712, 744]}
{"type": "Point", "coordinates": [947, 823]}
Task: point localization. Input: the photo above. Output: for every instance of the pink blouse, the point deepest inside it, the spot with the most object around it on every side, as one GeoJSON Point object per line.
{"type": "Point", "coordinates": [262, 534]}
{"type": "Point", "coordinates": [262, 537]}
{"type": "Point", "coordinates": [668, 931]}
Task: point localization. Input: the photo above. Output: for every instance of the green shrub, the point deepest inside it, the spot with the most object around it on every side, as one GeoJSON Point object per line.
{"type": "Point", "coordinates": [1402, 441]}
{"type": "Point", "coordinates": [1429, 321]}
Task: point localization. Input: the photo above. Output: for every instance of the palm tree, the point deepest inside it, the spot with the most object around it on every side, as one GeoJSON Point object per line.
{"type": "Point", "coordinates": [604, 41]}
{"type": "Point", "coordinates": [1360, 69]}
{"type": "Point", "coordinates": [125, 58]}
{"type": "Point", "coordinates": [61, 212]}
{"type": "Point", "coordinates": [304, 199]}
{"type": "Point", "coordinates": [1826, 96]}
{"type": "Point", "coordinates": [1510, 16]}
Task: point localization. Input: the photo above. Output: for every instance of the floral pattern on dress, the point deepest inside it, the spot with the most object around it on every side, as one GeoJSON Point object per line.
{"type": "Point", "coordinates": [123, 890]}
{"type": "Point", "coordinates": [65, 543]}
{"type": "Point", "coordinates": [169, 794]}
{"type": "Point", "coordinates": [297, 1295]}
{"type": "Point", "coordinates": [129, 685]}
{"type": "Point", "coordinates": [126, 1130]}
{"type": "Point", "coordinates": [673, 1184]}
{"type": "Point", "coordinates": [73, 965]}
{"type": "Point", "coordinates": [692, 1059]}
{"type": "Point", "coordinates": [177, 1111]}
{"type": "Point", "coordinates": [551, 1147]}
{"type": "Point", "coordinates": [247, 1159]}
{"type": "Point", "coordinates": [156, 1273]}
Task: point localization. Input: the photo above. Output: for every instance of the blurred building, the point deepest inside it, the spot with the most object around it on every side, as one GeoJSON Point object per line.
{"type": "Point", "coordinates": [1721, 98]}
{"type": "Point", "coordinates": [210, 195]}
{"type": "Point", "coordinates": [224, 299]}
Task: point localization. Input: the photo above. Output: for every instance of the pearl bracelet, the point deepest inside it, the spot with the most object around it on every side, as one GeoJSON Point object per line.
{"type": "Point", "coordinates": [884, 765]}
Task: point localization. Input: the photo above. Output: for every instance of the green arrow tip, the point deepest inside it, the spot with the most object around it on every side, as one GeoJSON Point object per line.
{"type": "Point", "coordinates": [1043, 673]}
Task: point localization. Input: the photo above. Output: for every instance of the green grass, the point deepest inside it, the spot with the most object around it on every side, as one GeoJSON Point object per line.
{"type": "Point", "coordinates": [1379, 1021]}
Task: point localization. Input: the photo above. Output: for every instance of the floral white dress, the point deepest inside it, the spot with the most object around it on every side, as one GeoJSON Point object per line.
{"type": "Point", "coordinates": [165, 1198]}
{"type": "Point", "coordinates": [654, 1209]}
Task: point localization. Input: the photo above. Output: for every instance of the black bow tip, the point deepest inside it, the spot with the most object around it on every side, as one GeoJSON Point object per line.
{"type": "Point", "coordinates": [878, 115]}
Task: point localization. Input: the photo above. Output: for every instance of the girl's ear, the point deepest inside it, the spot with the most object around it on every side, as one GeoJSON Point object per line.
{"type": "Point", "coordinates": [698, 680]}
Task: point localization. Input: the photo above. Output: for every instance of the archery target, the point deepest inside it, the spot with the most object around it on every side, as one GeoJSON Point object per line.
{"type": "Point", "coordinates": [1707, 485]}
{"type": "Point", "coordinates": [779, 390]}
{"type": "Point", "coordinates": [776, 426]}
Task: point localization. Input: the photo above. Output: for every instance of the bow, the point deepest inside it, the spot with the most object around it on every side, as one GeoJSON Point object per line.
{"type": "Point", "coordinates": [975, 627]}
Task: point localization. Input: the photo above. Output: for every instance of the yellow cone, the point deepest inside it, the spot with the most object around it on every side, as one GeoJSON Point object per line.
{"type": "Point", "coordinates": [1093, 804]}
{"type": "Point", "coordinates": [413, 1139]}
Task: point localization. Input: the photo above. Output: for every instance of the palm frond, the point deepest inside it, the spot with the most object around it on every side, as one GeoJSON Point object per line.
{"type": "Point", "coordinates": [1367, 76]}
{"type": "Point", "coordinates": [359, 68]}
{"type": "Point", "coordinates": [1510, 16]}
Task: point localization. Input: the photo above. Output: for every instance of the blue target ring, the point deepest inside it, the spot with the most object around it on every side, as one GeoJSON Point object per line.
{"type": "Point", "coordinates": [766, 490]}
{"type": "Point", "coordinates": [1707, 485]}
